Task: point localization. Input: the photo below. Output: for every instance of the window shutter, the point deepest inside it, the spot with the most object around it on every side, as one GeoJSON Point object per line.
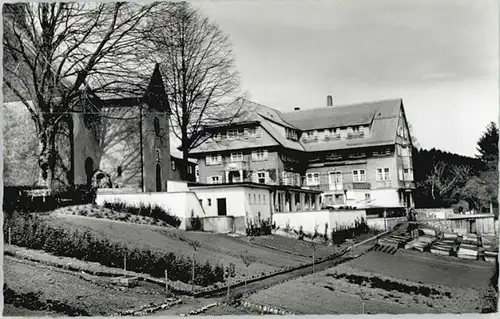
{"type": "Point", "coordinates": [265, 153]}
{"type": "Point", "coordinates": [245, 134]}
{"type": "Point", "coordinates": [219, 158]}
{"type": "Point", "coordinates": [257, 131]}
{"type": "Point", "coordinates": [266, 176]}
{"type": "Point", "coordinates": [207, 160]}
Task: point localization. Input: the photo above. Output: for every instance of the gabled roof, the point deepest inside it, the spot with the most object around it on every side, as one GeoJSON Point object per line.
{"type": "Point", "coordinates": [249, 112]}
{"type": "Point", "coordinates": [342, 116]}
{"type": "Point", "coordinates": [381, 115]}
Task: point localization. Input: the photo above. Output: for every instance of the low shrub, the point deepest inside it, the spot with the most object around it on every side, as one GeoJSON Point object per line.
{"type": "Point", "coordinates": [260, 228]}
{"type": "Point", "coordinates": [153, 211]}
{"type": "Point", "coordinates": [34, 232]}
{"type": "Point", "coordinates": [341, 233]}
{"type": "Point", "coordinates": [196, 223]}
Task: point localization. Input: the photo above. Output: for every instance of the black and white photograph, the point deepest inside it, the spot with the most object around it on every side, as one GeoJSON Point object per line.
{"type": "Point", "coordinates": [249, 158]}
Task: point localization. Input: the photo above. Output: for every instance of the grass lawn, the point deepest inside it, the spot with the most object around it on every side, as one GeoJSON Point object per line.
{"type": "Point", "coordinates": [69, 289]}
{"type": "Point", "coordinates": [427, 268]}
{"type": "Point", "coordinates": [215, 248]}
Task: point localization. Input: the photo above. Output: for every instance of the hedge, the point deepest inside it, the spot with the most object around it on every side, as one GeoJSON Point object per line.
{"type": "Point", "coordinates": [31, 231]}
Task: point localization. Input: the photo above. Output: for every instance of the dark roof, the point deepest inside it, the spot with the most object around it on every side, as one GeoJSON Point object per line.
{"type": "Point", "coordinates": [342, 116]}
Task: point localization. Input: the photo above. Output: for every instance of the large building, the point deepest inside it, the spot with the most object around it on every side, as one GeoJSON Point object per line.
{"type": "Point", "coordinates": [357, 155]}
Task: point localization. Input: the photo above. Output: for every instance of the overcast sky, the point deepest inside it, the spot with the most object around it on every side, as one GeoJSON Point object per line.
{"type": "Point", "coordinates": [440, 56]}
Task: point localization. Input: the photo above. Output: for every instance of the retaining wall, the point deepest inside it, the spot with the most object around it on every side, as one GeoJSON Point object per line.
{"type": "Point", "coordinates": [311, 219]}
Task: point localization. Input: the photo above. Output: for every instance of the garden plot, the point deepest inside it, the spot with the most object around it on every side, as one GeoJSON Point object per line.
{"type": "Point", "coordinates": [427, 268]}
{"type": "Point", "coordinates": [344, 290]}
{"type": "Point", "coordinates": [44, 286]}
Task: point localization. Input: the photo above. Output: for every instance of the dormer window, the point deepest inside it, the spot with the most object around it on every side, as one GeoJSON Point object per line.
{"type": "Point", "coordinates": [232, 134]}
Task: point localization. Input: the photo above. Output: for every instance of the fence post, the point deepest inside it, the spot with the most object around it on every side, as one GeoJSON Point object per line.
{"type": "Point", "coordinates": [166, 281]}
{"type": "Point", "coordinates": [125, 262]}
{"type": "Point", "coordinates": [10, 237]}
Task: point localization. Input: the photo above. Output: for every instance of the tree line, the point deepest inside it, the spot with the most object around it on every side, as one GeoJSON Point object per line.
{"type": "Point", "coordinates": [444, 179]}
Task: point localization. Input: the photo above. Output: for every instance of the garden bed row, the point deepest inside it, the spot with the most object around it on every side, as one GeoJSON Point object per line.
{"type": "Point", "coordinates": [33, 232]}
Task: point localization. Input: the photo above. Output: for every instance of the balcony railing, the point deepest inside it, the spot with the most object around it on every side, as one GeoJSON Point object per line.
{"type": "Point", "coordinates": [358, 185]}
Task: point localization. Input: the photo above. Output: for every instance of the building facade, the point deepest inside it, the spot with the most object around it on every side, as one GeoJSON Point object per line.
{"type": "Point", "coordinates": [356, 155]}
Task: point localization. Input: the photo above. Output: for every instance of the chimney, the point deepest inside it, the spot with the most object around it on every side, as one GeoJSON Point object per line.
{"type": "Point", "coordinates": [329, 100]}
{"type": "Point", "coordinates": [296, 108]}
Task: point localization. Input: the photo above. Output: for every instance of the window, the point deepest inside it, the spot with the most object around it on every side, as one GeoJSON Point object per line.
{"type": "Point", "coordinates": [408, 174]}
{"type": "Point", "coordinates": [383, 174]}
{"type": "Point", "coordinates": [312, 178]}
{"type": "Point", "coordinates": [310, 134]}
{"type": "Point", "coordinates": [405, 151]}
{"type": "Point", "coordinates": [358, 175]}
{"type": "Point", "coordinates": [357, 155]}
{"type": "Point", "coordinates": [254, 200]}
{"type": "Point", "coordinates": [258, 199]}
{"type": "Point", "coordinates": [259, 155]}
{"type": "Point", "coordinates": [236, 157]}
{"type": "Point", "coordinates": [264, 198]}
{"type": "Point", "coordinates": [156, 125]}
{"type": "Point", "coordinates": [209, 200]}
{"type": "Point", "coordinates": [250, 198]}
{"type": "Point", "coordinates": [367, 196]}
{"type": "Point", "coordinates": [172, 164]}
{"type": "Point", "coordinates": [232, 134]}
{"type": "Point", "coordinates": [291, 134]}
{"type": "Point", "coordinates": [214, 179]}
{"type": "Point", "coordinates": [261, 178]}
{"type": "Point", "coordinates": [213, 159]}
{"type": "Point", "coordinates": [119, 171]}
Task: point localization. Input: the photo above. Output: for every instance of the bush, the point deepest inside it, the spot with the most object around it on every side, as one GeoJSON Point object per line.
{"type": "Point", "coordinates": [262, 227]}
{"type": "Point", "coordinates": [33, 232]}
{"type": "Point", "coordinates": [342, 233]}
{"type": "Point", "coordinates": [143, 210]}
{"type": "Point", "coordinates": [196, 223]}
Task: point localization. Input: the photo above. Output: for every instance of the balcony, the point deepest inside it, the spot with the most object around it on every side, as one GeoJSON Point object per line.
{"type": "Point", "coordinates": [339, 187]}
{"type": "Point", "coordinates": [358, 185]}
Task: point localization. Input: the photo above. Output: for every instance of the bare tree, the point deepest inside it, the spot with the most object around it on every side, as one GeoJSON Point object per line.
{"type": "Point", "coordinates": [57, 54]}
{"type": "Point", "coordinates": [445, 178]}
{"type": "Point", "coordinates": [197, 64]}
